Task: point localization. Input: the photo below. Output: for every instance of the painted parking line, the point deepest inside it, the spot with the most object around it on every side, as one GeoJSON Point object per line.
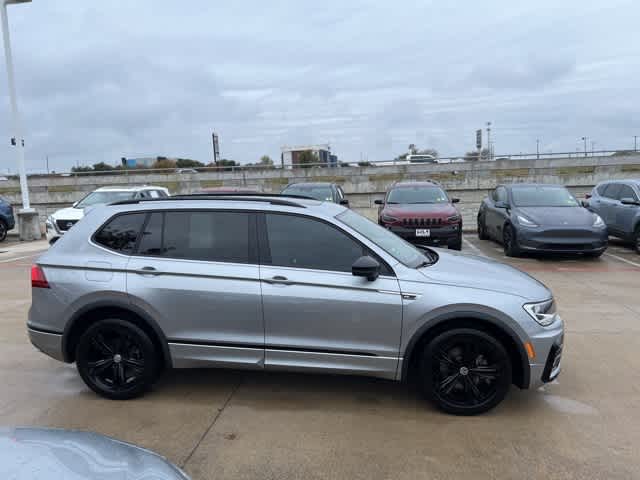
{"type": "Point", "coordinates": [9, 260]}
{"type": "Point", "coordinates": [473, 247]}
{"type": "Point", "coordinates": [629, 262]}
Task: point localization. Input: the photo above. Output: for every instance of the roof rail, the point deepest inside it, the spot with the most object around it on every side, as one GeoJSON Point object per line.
{"type": "Point", "coordinates": [273, 199]}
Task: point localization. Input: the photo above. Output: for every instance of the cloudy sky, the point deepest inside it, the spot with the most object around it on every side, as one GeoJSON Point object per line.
{"type": "Point", "coordinates": [99, 80]}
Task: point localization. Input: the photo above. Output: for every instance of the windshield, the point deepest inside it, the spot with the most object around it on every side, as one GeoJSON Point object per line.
{"type": "Point", "coordinates": [543, 197]}
{"type": "Point", "coordinates": [324, 194]}
{"type": "Point", "coordinates": [101, 198]}
{"type": "Point", "coordinates": [402, 251]}
{"type": "Point", "coordinates": [417, 194]}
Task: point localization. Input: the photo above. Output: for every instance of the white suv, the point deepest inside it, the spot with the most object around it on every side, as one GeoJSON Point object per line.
{"type": "Point", "coordinates": [64, 219]}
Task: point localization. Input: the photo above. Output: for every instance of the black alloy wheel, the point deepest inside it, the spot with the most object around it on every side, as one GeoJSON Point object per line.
{"type": "Point", "coordinates": [482, 229]}
{"type": "Point", "coordinates": [3, 231]}
{"type": "Point", "coordinates": [116, 359]}
{"type": "Point", "coordinates": [465, 372]}
{"type": "Point", "coordinates": [510, 241]}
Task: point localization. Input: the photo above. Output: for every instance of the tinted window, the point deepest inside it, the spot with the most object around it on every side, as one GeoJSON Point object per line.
{"type": "Point", "coordinates": [542, 196]}
{"type": "Point", "coordinates": [121, 233]}
{"type": "Point", "coordinates": [209, 236]}
{"type": "Point", "coordinates": [151, 241]}
{"type": "Point", "coordinates": [307, 243]}
{"type": "Point", "coordinates": [601, 189]}
{"type": "Point", "coordinates": [104, 197]}
{"type": "Point", "coordinates": [626, 192]}
{"type": "Point", "coordinates": [501, 194]}
{"type": "Point", "coordinates": [322, 193]}
{"type": "Point", "coordinates": [612, 190]}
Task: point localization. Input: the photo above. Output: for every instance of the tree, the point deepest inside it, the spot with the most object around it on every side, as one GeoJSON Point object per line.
{"type": "Point", "coordinates": [164, 163]}
{"type": "Point", "coordinates": [266, 160]}
{"type": "Point", "coordinates": [102, 167]}
{"type": "Point", "coordinates": [307, 158]}
{"type": "Point", "coordinates": [187, 163]}
{"type": "Point", "coordinates": [364, 164]}
{"type": "Point", "coordinates": [80, 169]}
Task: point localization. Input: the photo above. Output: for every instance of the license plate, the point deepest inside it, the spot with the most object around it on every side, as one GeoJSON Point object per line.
{"type": "Point", "coordinates": [423, 232]}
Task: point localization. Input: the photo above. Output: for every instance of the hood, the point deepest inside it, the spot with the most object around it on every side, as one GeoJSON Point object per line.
{"type": "Point", "coordinates": [69, 214]}
{"type": "Point", "coordinates": [471, 271]}
{"type": "Point", "coordinates": [28, 453]}
{"type": "Point", "coordinates": [418, 210]}
{"type": "Point", "coordinates": [558, 216]}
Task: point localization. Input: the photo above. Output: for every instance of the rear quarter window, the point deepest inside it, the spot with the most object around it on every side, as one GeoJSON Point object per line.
{"type": "Point", "coordinates": [121, 233]}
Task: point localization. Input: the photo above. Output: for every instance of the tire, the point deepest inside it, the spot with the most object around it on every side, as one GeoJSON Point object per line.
{"type": "Point", "coordinates": [457, 245]}
{"type": "Point", "coordinates": [510, 242]}
{"type": "Point", "coordinates": [482, 229]}
{"type": "Point", "coordinates": [117, 360]}
{"type": "Point", "coordinates": [636, 239]}
{"type": "Point", "coordinates": [3, 230]}
{"type": "Point", "coordinates": [465, 372]}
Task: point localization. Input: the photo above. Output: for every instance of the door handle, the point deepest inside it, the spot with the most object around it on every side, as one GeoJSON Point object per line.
{"type": "Point", "coordinates": [147, 271]}
{"type": "Point", "coordinates": [278, 280]}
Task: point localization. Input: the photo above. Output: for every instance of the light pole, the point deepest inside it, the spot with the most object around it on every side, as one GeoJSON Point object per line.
{"type": "Point", "coordinates": [489, 140]}
{"type": "Point", "coordinates": [538, 148]}
{"type": "Point", "coordinates": [635, 143]}
{"type": "Point", "coordinates": [584, 139]}
{"type": "Point", "coordinates": [27, 215]}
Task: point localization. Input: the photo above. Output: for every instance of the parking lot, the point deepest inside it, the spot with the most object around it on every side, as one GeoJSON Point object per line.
{"type": "Point", "coordinates": [246, 425]}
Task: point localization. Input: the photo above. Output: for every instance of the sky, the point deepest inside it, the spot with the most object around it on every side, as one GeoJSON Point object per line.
{"type": "Point", "coordinates": [98, 81]}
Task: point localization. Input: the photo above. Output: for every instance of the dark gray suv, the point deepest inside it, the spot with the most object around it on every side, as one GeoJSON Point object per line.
{"type": "Point", "coordinates": [618, 203]}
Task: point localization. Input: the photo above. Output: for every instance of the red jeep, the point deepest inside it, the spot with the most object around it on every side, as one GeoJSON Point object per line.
{"type": "Point", "coordinates": [421, 213]}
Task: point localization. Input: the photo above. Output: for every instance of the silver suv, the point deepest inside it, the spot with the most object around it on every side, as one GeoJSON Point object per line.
{"type": "Point", "coordinates": [283, 283]}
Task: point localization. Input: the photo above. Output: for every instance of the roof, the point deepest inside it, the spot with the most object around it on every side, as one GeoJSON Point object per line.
{"type": "Point", "coordinates": [516, 185]}
{"type": "Point", "coordinates": [310, 184]}
{"type": "Point", "coordinates": [422, 183]}
{"type": "Point", "coordinates": [134, 188]}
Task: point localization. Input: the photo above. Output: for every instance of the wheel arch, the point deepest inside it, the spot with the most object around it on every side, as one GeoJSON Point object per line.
{"type": "Point", "coordinates": [91, 313]}
{"type": "Point", "coordinates": [475, 320]}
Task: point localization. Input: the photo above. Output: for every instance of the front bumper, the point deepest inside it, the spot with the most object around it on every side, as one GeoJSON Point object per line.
{"type": "Point", "coordinates": [47, 342]}
{"type": "Point", "coordinates": [439, 235]}
{"type": "Point", "coordinates": [562, 240]}
{"type": "Point", "coordinates": [548, 346]}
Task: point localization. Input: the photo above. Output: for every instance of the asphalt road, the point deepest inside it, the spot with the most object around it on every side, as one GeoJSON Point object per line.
{"type": "Point", "coordinates": [245, 425]}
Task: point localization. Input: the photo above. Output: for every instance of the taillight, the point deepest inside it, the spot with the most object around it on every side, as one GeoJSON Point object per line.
{"type": "Point", "coordinates": [38, 279]}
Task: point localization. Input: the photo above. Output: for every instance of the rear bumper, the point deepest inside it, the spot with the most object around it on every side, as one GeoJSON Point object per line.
{"type": "Point", "coordinates": [562, 240]}
{"type": "Point", "coordinates": [446, 235]}
{"type": "Point", "coordinates": [48, 343]}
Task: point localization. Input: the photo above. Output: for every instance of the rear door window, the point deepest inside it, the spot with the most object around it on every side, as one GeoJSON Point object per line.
{"type": "Point", "coordinates": [121, 233]}
{"type": "Point", "coordinates": [612, 190]}
{"type": "Point", "coordinates": [626, 192]}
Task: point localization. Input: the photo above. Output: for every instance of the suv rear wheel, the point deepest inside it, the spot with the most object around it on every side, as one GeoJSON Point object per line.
{"type": "Point", "coordinates": [116, 359]}
{"type": "Point", "coordinates": [465, 371]}
{"type": "Point", "coordinates": [3, 230]}
{"type": "Point", "coordinates": [510, 242]}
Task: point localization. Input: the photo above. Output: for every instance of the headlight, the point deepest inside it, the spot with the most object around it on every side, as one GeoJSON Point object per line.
{"type": "Point", "coordinates": [525, 222]}
{"type": "Point", "coordinates": [598, 222]}
{"type": "Point", "coordinates": [453, 219]}
{"type": "Point", "coordinates": [388, 218]}
{"type": "Point", "coordinates": [542, 312]}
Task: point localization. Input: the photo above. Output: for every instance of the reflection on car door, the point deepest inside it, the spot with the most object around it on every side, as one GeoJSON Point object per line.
{"type": "Point", "coordinates": [317, 315]}
{"type": "Point", "coordinates": [623, 215]}
{"type": "Point", "coordinates": [607, 202]}
{"type": "Point", "coordinates": [196, 273]}
{"type": "Point", "coordinates": [495, 216]}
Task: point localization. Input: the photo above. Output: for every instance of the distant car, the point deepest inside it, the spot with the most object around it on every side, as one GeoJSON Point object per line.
{"type": "Point", "coordinates": [618, 203]}
{"type": "Point", "coordinates": [37, 453]}
{"type": "Point", "coordinates": [62, 220]}
{"type": "Point", "coordinates": [325, 192]}
{"type": "Point", "coordinates": [421, 213]}
{"type": "Point", "coordinates": [7, 220]}
{"type": "Point", "coordinates": [540, 218]}
{"type": "Point", "coordinates": [186, 170]}
{"type": "Point", "coordinates": [222, 190]}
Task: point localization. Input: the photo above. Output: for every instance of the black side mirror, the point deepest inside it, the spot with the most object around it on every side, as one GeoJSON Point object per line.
{"type": "Point", "coordinates": [629, 201]}
{"type": "Point", "coordinates": [366, 267]}
{"type": "Point", "coordinates": [455, 200]}
{"type": "Point", "coordinates": [501, 204]}
{"type": "Point", "coordinates": [344, 201]}
{"type": "Point", "coordinates": [379, 202]}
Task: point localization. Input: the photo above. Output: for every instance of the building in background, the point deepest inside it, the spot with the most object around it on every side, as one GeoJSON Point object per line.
{"type": "Point", "coordinates": [290, 156]}
{"type": "Point", "coordinates": [146, 162]}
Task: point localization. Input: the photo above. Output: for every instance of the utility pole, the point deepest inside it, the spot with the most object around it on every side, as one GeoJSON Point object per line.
{"type": "Point", "coordinates": [489, 140]}
{"type": "Point", "coordinates": [538, 148]}
{"type": "Point", "coordinates": [635, 143]}
{"type": "Point", "coordinates": [584, 139]}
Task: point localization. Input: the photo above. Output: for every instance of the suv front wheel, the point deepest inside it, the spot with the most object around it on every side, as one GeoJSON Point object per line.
{"type": "Point", "coordinates": [116, 359]}
{"type": "Point", "coordinates": [465, 371]}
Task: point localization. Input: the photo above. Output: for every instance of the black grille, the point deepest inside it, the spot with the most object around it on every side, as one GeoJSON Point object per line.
{"type": "Point", "coordinates": [422, 222]}
{"type": "Point", "coordinates": [553, 361]}
{"type": "Point", "coordinates": [64, 225]}
{"type": "Point", "coordinates": [567, 246]}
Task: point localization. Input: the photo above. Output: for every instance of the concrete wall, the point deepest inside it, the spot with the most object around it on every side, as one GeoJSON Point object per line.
{"type": "Point", "coordinates": [469, 181]}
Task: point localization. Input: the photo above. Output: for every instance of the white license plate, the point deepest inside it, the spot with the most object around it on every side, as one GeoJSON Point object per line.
{"type": "Point", "coordinates": [423, 232]}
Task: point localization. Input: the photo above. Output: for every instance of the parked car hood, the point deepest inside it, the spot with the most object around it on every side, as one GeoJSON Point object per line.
{"type": "Point", "coordinates": [417, 209]}
{"type": "Point", "coordinates": [28, 453]}
{"type": "Point", "coordinates": [471, 271]}
{"type": "Point", "coordinates": [559, 216]}
{"type": "Point", "coordinates": [69, 214]}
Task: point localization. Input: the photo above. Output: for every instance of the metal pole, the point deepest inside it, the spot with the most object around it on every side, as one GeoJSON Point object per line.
{"type": "Point", "coordinates": [635, 143]}
{"type": "Point", "coordinates": [15, 114]}
{"type": "Point", "coordinates": [538, 148]}
{"type": "Point", "coordinates": [584, 139]}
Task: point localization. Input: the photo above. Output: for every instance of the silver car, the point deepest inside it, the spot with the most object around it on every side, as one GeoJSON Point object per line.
{"type": "Point", "coordinates": [280, 283]}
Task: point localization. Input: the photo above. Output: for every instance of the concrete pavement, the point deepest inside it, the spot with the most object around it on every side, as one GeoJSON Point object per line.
{"type": "Point", "coordinates": [247, 425]}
